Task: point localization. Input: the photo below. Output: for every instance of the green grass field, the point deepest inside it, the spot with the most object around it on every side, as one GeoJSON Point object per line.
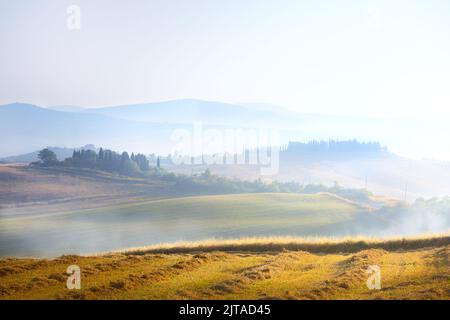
{"type": "Point", "coordinates": [168, 220]}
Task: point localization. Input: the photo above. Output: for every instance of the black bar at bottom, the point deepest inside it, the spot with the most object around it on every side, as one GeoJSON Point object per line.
{"type": "Point", "coordinates": [213, 309]}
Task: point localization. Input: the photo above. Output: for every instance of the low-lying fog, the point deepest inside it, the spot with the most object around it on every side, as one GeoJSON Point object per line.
{"type": "Point", "coordinates": [76, 233]}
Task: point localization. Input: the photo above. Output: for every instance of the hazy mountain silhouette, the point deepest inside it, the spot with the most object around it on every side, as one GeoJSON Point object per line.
{"type": "Point", "coordinates": [67, 108]}
{"type": "Point", "coordinates": [189, 111]}
{"type": "Point", "coordinates": [143, 127]}
{"type": "Point", "coordinates": [31, 127]}
{"type": "Point", "coordinates": [27, 128]}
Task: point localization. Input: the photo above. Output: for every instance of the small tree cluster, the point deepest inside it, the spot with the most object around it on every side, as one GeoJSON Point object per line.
{"type": "Point", "coordinates": [47, 157]}
{"type": "Point", "coordinates": [109, 161]}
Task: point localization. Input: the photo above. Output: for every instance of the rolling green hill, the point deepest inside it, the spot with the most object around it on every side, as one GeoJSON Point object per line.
{"type": "Point", "coordinates": [167, 220]}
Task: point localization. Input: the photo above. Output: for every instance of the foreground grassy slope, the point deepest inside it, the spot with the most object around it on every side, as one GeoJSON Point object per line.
{"type": "Point", "coordinates": [169, 220]}
{"type": "Point", "coordinates": [422, 273]}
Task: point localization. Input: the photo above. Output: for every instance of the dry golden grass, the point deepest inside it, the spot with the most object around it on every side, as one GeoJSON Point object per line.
{"type": "Point", "coordinates": [310, 244]}
{"type": "Point", "coordinates": [417, 270]}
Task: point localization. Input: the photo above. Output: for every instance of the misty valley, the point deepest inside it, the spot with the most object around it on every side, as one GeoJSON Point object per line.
{"type": "Point", "coordinates": [97, 200]}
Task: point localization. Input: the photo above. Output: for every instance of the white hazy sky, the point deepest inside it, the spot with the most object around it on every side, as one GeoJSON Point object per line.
{"type": "Point", "coordinates": [376, 58]}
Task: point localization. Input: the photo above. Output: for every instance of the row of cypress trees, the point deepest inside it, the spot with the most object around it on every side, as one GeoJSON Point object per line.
{"type": "Point", "coordinates": [109, 160]}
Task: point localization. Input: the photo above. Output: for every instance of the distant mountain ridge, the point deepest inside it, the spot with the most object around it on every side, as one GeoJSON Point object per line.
{"type": "Point", "coordinates": [188, 111]}
{"type": "Point", "coordinates": [67, 108]}
{"type": "Point", "coordinates": [61, 154]}
{"type": "Point", "coordinates": [148, 127]}
{"type": "Point", "coordinates": [141, 127]}
{"type": "Point", "coordinates": [29, 128]}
